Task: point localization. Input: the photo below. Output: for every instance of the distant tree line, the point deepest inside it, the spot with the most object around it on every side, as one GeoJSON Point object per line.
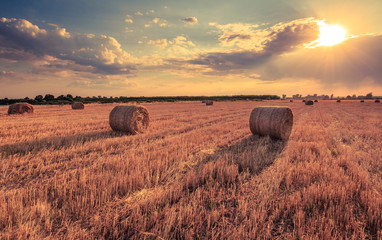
{"type": "Point", "coordinates": [69, 99]}
{"type": "Point", "coordinates": [325, 97]}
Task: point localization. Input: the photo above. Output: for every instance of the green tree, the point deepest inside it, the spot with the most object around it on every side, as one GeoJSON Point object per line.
{"type": "Point", "coordinates": [39, 98]}
{"type": "Point", "coordinates": [61, 97]}
{"type": "Point", "coordinates": [49, 97]}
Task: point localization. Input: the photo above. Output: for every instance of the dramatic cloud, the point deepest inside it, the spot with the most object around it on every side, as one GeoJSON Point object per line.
{"type": "Point", "coordinates": [22, 40]}
{"type": "Point", "coordinates": [190, 20]}
{"type": "Point", "coordinates": [278, 40]}
{"type": "Point", "coordinates": [258, 53]}
{"type": "Point", "coordinates": [266, 54]}
{"type": "Point", "coordinates": [245, 36]}
{"type": "Point", "coordinates": [352, 63]}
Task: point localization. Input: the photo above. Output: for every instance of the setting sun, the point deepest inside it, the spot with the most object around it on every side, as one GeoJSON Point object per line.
{"type": "Point", "coordinates": [330, 34]}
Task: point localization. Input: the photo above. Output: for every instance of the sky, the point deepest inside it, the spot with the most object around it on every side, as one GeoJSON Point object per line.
{"type": "Point", "coordinates": [179, 47]}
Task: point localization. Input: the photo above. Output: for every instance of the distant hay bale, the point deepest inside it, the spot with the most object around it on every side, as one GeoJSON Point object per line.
{"type": "Point", "coordinates": [377, 101]}
{"type": "Point", "coordinates": [78, 105]}
{"type": "Point", "coordinates": [310, 102]}
{"type": "Point", "coordinates": [209, 103]}
{"type": "Point", "coordinates": [203, 101]}
{"type": "Point", "coordinates": [131, 119]}
{"type": "Point", "coordinates": [316, 100]}
{"type": "Point", "coordinates": [338, 100]}
{"type": "Point", "coordinates": [362, 101]}
{"type": "Point", "coordinates": [304, 100]}
{"type": "Point", "coordinates": [290, 100]}
{"type": "Point", "coordinates": [20, 108]}
{"type": "Point", "coordinates": [277, 122]}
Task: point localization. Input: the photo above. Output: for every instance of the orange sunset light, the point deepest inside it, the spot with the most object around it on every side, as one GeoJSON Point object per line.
{"type": "Point", "coordinates": [330, 34]}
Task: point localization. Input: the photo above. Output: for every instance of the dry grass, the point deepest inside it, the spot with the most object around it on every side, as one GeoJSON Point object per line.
{"type": "Point", "coordinates": [65, 176]}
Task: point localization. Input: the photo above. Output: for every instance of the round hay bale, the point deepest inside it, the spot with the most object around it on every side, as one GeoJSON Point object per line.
{"type": "Point", "coordinates": [362, 101]}
{"type": "Point", "coordinates": [310, 102]}
{"type": "Point", "coordinates": [277, 122]}
{"type": "Point", "coordinates": [338, 100]}
{"type": "Point", "coordinates": [316, 100]}
{"type": "Point", "coordinates": [78, 105]}
{"type": "Point", "coordinates": [304, 100]}
{"type": "Point", "coordinates": [290, 100]}
{"type": "Point", "coordinates": [132, 119]}
{"type": "Point", "coordinates": [377, 101]}
{"type": "Point", "coordinates": [209, 103]}
{"type": "Point", "coordinates": [20, 108]}
{"type": "Point", "coordinates": [203, 101]}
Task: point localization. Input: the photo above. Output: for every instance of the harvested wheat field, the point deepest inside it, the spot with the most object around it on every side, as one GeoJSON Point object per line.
{"type": "Point", "coordinates": [196, 173]}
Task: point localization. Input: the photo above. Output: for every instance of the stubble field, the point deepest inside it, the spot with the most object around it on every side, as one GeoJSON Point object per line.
{"type": "Point", "coordinates": [197, 173]}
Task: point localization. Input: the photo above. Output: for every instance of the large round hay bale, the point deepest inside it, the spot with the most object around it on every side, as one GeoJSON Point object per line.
{"type": "Point", "coordinates": [304, 100]}
{"type": "Point", "coordinates": [132, 119]}
{"type": "Point", "coordinates": [362, 101]}
{"type": "Point", "coordinates": [309, 102]}
{"type": "Point", "coordinates": [78, 105]}
{"type": "Point", "coordinates": [209, 103]}
{"type": "Point", "coordinates": [377, 101]}
{"type": "Point", "coordinates": [203, 101]}
{"type": "Point", "coordinates": [277, 122]}
{"type": "Point", "coordinates": [338, 100]}
{"type": "Point", "coordinates": [20, 108]}
{"type": "Point", "coordinates": [290, 100]}
{"type": "Point", "coordinates": [316, 100]}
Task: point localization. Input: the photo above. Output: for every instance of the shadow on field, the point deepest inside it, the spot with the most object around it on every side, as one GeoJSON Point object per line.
{"type": "Point", "coordinates": [259, 152]}
{"type": "Point", "coordinates": [216, 169]}
{"type": "Point", "coordinates": [55, 143]}
{"type": "Point", "coordinates": [252, 153]}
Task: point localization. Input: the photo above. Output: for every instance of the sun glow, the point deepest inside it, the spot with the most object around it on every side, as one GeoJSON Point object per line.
{"type": "Point", "coordinates": [330, 34]}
